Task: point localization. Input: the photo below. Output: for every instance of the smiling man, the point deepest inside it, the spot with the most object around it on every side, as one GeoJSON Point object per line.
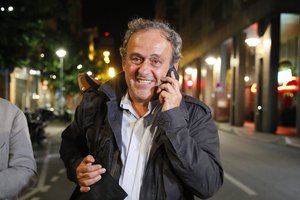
{"type": "Point", "coordinates": [138, 136]}
{"type": "Point", "coordinates": [146, 62]}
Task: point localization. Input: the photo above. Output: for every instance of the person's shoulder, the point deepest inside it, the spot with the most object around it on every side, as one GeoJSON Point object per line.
{"type": "Point", "coordinates": [93, 98]}
{"type": "Point", "coordinates": [7, 105]}
{"type": "Point", "coordinates": [196, 103]}
{"type": "Point", "coordinates": [10, 110]}
{"type": "Point", "coordinates": [91, 94]}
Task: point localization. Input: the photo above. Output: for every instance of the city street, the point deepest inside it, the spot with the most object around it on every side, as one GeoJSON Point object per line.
{"type": "Point", "coordinates": [52, 183]}
{"type": "Point", "coordinates": [254, 170]}
{"type": "Point", "coordinates": [258, 170]}
{"type": "Point", "coordinates": [240, 58]}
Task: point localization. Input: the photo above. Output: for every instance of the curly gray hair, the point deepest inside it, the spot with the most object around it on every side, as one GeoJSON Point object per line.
{"type": "Point", "coordinates": [171, 35]}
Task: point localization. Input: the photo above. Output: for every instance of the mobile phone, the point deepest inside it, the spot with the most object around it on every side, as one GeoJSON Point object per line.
{"type": "Point", "coordinates": [172, 69]}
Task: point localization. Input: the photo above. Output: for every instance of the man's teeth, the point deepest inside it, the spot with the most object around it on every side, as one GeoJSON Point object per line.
{"type": "Point", "coordinates": [144, 81]}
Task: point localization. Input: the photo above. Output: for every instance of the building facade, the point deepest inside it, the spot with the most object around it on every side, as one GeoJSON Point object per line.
{"type": "Point", "coordinates": [241, 57]}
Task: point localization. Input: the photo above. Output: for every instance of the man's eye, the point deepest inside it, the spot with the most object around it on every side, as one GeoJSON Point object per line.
{"type": "Point", "coordinates": [136, 60]}
{"type": "Point", "coordinates": [156, 62]}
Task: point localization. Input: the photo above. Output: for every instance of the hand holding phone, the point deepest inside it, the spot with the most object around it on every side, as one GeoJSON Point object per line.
{"type": "Point", "coordinates": [172, 69]}
{"type": "Point", "coordinates": [169, 91]}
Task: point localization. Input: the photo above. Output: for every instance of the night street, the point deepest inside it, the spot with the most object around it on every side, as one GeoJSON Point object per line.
{"type": "Point", "coordinates": [145, 86]}
{"type": "Point", "coordinates": [253, 170]}
{"type": "Point", "coordinates": [52, 183]}
{"type": "Point", "coordinates": [258, 170]}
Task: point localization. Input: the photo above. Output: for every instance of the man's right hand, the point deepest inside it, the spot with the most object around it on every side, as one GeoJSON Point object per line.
{"type": "Point", "coordinates": [87, 174]}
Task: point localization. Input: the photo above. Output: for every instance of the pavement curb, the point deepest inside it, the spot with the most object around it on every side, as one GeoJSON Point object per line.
{"type": "Point", "coordinates": [260, 136]}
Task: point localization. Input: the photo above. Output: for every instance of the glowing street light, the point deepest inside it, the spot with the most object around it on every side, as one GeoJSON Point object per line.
{"type": "Point", "coordinates": [252, 42]}
{"type": "Point", "coordinates": [106, 57]}
{"type": "Point", "coordinates": [106, 53]}
{"type": "Point", "coordinates": [211, 60]}
{"type": "Point", "coordinates": [111, 72]}
{"type": "Point", "coordinates": [61, 54]}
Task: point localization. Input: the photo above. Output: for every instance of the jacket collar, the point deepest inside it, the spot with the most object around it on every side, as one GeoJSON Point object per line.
{"type": "Point", "coordinates": [115, 88]}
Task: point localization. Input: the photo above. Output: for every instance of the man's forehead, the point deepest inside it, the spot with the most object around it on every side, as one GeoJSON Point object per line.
{"type": "Point", "coordinates": [150, 34]}
{"type": "Point", "coordinates": [153, 42]}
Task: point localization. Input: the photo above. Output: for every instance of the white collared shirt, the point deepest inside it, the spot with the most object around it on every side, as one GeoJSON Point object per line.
{"type": "Point", "coordinates": [136, 145]}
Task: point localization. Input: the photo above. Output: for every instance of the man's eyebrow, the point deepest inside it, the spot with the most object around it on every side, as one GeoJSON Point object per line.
{"type": "Point", "coordinates": [140, 55]}
{"type": "Point", "coordinates": [135, 54]}
{"type": "Point", "coordinates": [155, 55]}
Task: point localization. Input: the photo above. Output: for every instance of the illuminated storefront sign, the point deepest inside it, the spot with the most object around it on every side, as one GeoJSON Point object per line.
{"type": "Point", "coordinates": [290, 86]}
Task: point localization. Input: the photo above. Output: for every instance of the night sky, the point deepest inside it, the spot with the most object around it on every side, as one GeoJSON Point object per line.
{"type": "Point", "coordinates": [113, 15]}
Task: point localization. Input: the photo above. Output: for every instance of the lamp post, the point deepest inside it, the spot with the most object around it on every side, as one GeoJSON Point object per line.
{"type": "Point", "coordinates": [61, 54]}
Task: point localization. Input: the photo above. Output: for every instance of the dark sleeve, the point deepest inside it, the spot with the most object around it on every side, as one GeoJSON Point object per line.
{"type": "Point", "coordinates": [192, 147]}
{"type": "Point", "coordinates": [73, 146]}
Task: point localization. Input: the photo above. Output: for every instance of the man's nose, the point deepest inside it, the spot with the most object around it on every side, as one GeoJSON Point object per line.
{"type": "Point", "coordinates": [145, 67]}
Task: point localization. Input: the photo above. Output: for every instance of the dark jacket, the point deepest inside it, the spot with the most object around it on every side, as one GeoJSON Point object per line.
{"type": "Point", "coordinates": [184, 158]}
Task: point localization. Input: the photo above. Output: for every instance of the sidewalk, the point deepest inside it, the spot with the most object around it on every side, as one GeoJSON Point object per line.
{"type": "Point", "coordinates": [56, 127]}
{"type": "Point", "coordinates": [249, 132]}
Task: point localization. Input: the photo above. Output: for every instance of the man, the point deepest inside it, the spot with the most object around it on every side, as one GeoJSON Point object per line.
{"type": "Point", "coordinates": [17, 164]}
{"type": "Point", "coordinates": [141, 130]}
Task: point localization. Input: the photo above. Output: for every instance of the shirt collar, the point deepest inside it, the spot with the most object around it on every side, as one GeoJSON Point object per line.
{"type": "Point", "coordinates": [125, 104]}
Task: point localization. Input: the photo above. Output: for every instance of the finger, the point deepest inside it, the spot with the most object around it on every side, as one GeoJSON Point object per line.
{"type": "Point", "coordinates": [84, 189]}
{"type": "Point", "coordinates": [92, 168]}
{"type": "Point", "coordinates": [86, 165]}
{"type": "Point", "coordinates": [173, 81]}
{"type": "Point", "coordinates": [163, 95]}
{"type": "Point", "coordinates": [166, 86]}
{"type": "Point", "coordinates": [158, 90]}
{"type": "Point", "coordinates": [91, 174]}
{"type": "Point", "coordinates": [87, 171]}
{"type": "Point", "coordinates": [89, 159]}
{"type": "Point", "coordinates": [89, 182]}
{"type": "Point", "coordinates": [173, 75]}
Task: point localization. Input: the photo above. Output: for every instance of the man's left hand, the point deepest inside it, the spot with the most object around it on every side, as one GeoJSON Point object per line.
{"type": "Point", "coordinates": [169, 93]}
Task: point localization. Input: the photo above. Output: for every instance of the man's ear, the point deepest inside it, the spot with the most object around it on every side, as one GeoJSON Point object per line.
{"type": "Point", "coordinates": [123, 64]}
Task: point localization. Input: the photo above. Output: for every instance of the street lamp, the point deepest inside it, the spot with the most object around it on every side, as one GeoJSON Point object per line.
{"type": "Point", "coordinates": [111, 72]}
{"type": "Point", "coordinates": [106, 57]}
{"type": "Point", "coordinates": [252, 42]}
{"type": "Point", "coordinates": [61, 54]}
{"type": "Point", "coordinates": [211, 60]}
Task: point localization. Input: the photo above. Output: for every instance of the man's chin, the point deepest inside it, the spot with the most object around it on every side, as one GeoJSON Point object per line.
{"type": "Point", "coordinates": [144, 95]}
{"type": "Point", "coordinates": [145, 98]}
